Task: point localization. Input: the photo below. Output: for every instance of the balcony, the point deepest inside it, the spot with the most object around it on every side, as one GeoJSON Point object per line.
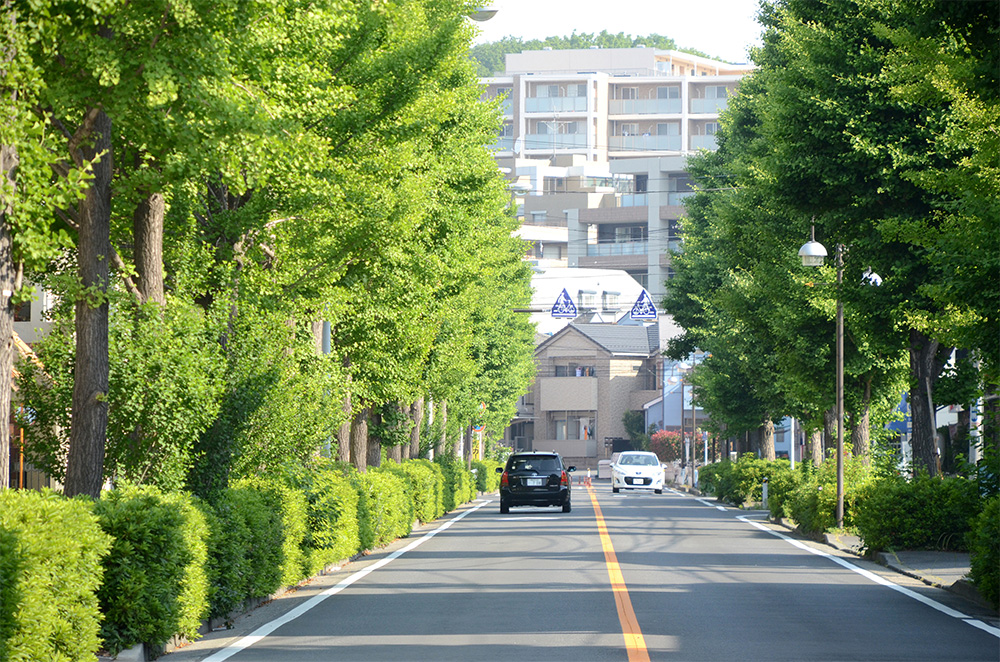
{"type": "Point", "coordinates": [635, 200]}
{"type": "Point", "coordinates": [622, 248]}
{"type": "Point", "coordinates": [708, 106]}
{"type": "Point", "coordinates": [502, 145]}
{"type": "Point", "coordinates": [555, 141]}
{"type": "Point", "coordinates": [555, 105]}
{"type": "Point", "coordinates": [704, 142]}
{"type": "Point", "coordinates": [644, 107]}
{"type": "Point", "coordinates": [644, 143]}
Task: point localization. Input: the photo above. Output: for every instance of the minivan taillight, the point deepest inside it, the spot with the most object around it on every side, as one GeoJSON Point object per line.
{"type": "Point", "coordinates": [504, 480]}
{"type": "Point", "coordinates": [565, 479]}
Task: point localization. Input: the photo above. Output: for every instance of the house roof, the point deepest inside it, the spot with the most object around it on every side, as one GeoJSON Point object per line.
{"type": "Point", "coordinates": [619, 340]}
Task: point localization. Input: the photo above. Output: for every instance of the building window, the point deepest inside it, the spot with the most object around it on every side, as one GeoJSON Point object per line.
{"type": "Point", "coordinates": [641, 183]}
{"type": "Point", "coordinates": [629, 233]}
{"type": "Point", "coordinates": [587, 299]}
{"type": "Point", "coordinates": [672, 92]}
{"type": "Point", "coordinates": [628, 92]}
{"type": "Point", "coordinates": [23, 312]}
{"type": "Point", "coordinates": [610, 300]}
{"type": "Point", "coordinates": [574, 428]}
{"type": "Point", "coordinates": [716, 92]}
{"type": "Point", "coordinates": [628, 129]}
{"type": "Point", "coordinates": [711, 128]}
{"type": "Point", "coordinates": [668, 129]}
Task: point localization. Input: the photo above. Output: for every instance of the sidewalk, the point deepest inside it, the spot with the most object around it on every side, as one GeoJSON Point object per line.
{"type": "Point", "coordinates": [947, 570]}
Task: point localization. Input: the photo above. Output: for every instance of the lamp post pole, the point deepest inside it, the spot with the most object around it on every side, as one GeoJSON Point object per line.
{"type": "Point", "coordinates": [812, 254]}
{"type": "Point", "coordinates": [840, 388]}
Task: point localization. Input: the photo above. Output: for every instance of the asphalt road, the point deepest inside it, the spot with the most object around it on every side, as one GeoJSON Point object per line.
{"type": "Point", "coordinates": [634, 577]}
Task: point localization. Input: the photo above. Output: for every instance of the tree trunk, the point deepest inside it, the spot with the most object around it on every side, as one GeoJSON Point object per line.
{"type": "Point", "coordinates": [816, 446]}
{"type": "Point", "coordinates": [85, 461]}
{"type": "Point", "coordinates": [417, 414]}
{"type": "Point", "coordinates": [767, 440]}
{"type": "Point", "coordinates": [829, 429]}
{"type": "Point", "coordinates": [147, 227]}
{"type": "Point", "coordinates": [442, 443]}
{"type": "Point", "coordinates": [467, 447]}
{"type": "Point", "coordinates": [359, 440]}
{"type": "Point", "coordinates": [8, 274]}
{"type": "Point", "coordinates": [374, 446]}
{"type": "Point", "coordinates": [861, 426]}
{"type": "Point", "coordinates": [344, 434]}
{"type": "Point", "coordinates": [926, 363]}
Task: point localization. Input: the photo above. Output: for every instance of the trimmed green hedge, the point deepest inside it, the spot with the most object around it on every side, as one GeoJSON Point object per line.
{"type": "Point", "coordinates": [384, 511]}
{"type": "Point", "coordinates": [291, 503]}
{"type": "Point", "coordinates": [428, 488]}
{"type": "Point", "coordinates": [50, 568]}
{"type": "Point", "coordinates": [487, 478]}
{"type": "Point", "coordinates": [171, 560]}
{"type": "Point", "coordinates": [984, 547]}
{"type": "Point", "coordinates": [155, 584]}
{"type": "Point", "coordinates": [332, 532]}
{"type": "Point", "coordinates": [923, 513]}
{"type": "Point", "coordinates": [459, 484]}
{"type": "Point", "coordinates": [245, 549]}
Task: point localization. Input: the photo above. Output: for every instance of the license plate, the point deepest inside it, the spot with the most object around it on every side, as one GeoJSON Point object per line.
{"type": "Point", "coordinates": [534, 482]}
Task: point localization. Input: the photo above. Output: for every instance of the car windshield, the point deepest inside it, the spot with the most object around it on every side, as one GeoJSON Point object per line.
{"type": "Point", "coordinates": [638, 460]}
{"type": "Point", "coordinates": [539, 464]}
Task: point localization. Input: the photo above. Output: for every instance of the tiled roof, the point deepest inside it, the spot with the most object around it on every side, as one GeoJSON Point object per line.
{"type": "Point", "coordinates": [623, 340]}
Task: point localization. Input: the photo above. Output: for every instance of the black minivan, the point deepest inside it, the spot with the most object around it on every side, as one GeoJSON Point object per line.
{"type": "Point", "coordinates": [535, 479]}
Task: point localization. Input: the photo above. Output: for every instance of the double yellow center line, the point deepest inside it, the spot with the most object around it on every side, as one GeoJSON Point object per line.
{"type": "Point", "coordinates": [634, 642]}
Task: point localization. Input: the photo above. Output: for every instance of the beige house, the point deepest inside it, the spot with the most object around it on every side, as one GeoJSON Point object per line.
{"type": "Point", "coordinates": [588, 376]}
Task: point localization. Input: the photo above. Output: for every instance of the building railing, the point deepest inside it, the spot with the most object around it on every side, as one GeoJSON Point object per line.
{"type": "Point", "coordinates": [555, 140]}
{"type": "Point", "coordinates": [503, 145]}
{"type": "Point", "coordinates": [645, 143]}
{"type": "Point", "coordinates": [644, 107]}
{"type": "Point", "coordinates": [622, 248]}
{"type": "Point", "coordinates": [708, 106]}
{"type": "Point", "coordinates": [704, 142]}
{"type": "Point", "coordinates": [555, 104]}
{"type": "Point", "coordinates": [635, 200]}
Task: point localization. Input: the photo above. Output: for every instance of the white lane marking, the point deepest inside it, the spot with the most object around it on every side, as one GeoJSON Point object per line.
{"type": "Point", "coordinates": [268, 628]}
{"type": "Point", "coordinates": [934, 604]}
{"type": "Point", "coordinates": [677, 492]}
{"type": "Point", "coordinates": [519, 519]}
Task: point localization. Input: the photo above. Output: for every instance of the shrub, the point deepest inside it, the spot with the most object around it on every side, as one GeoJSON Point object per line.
{"type": "Point", "coordinates": [742, 481]}
{"type": "Point", "coordinates": [154, 577]}
{"type": "Point", "coordinates": [244, 549]}
{"type": "Point", "coordinates": [383, 511]}
{"type": "Point", "coordinates": [812, 502]}
{"type": "Point", "coordinates": [50, 570]}
{"type": "Point", "coordinates": [984, 547]}
{"type": "Point", "coordinates": [428, 491]}
{"type": "Point", "coordinates": [923, 513]}
{"type": "Point", "coordinates": [459, 486]}
{"type": "Point", "coordinates": [332, 523]}
{"type": "Point", "coordinates": [716, 477]}
{"type": "Point", "coordinates": [667, 445]}
{"type": "Point", "coordinates": [291, 504]}
{"type": "Point", "coordinates": [487, 478]}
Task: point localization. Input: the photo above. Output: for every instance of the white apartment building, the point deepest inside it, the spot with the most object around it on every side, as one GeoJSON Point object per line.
{"type": "Point", "coordinates": [596, 140]}
{"type": "Point", "coordinates": [610, 103]}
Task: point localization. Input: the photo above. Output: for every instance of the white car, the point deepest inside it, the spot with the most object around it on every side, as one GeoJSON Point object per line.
{"type": "Point", "coordinates": [637, 470]}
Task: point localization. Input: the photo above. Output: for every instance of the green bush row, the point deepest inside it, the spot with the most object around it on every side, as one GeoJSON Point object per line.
{"type": "Point", "coordinates": [141, 565]}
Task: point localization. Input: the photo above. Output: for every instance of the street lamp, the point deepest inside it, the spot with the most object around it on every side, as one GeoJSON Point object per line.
{"type": "Point", "coordinates": [812, 254]}
{"type": "Point", "coordinates": [482, 14]}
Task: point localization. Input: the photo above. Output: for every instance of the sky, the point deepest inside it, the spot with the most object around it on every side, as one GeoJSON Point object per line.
{"type": "Point", "coordinates": [720, 28]}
